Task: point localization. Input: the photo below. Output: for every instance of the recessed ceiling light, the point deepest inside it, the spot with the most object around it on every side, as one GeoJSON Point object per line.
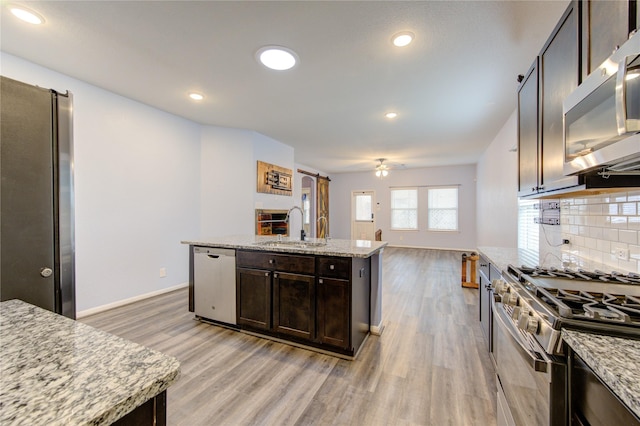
{"type": "Point", "coordinates": [391, 115]}
{"type": "Point", "coordinates": [402, 39]}
{"type": "Point", "coordinates": [196, 96]}
{"type": "Point", "coordinates": [26, 15]}
{"type": "Point", "coordinates": [277, 58]}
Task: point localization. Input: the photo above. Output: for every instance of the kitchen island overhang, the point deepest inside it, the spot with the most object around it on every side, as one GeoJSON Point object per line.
{"type": "Point", "coordinates": [58, 371]}
{"type": "Point", "coordinates": [322, 273]}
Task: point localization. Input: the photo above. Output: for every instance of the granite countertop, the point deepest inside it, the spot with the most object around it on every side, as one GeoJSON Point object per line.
{"type": "Point", "coordinates": [615, 360]}
{"type": "Point", "coordinates": [57, 371]}
{"type": "Point", "coordinates": [333, 247]}
{"type": "Point", "coordinates": [501, 257]}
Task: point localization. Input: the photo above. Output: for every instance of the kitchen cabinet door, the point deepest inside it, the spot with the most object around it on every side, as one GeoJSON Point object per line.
{"type": "Point", "coordinates": [606, 25]}
{"type": "Point", "coordinates": [253, 298]}
{"type": "Point", "coordinates": [528, 132]}
{"type": "Point", "coordinates": [334, 311]}
{"type": "Point", "coordinates": [559, 76]}
{"type": "Point", "coordinates": [294, 310]}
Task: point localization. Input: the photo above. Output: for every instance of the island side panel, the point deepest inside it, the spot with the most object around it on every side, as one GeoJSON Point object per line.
{"type": "Point", "coordinates": [376, 293]}
{"type": "Point", "coordinates": [360, 301]}
{"type": "Point", "coordinates": [191, 288]}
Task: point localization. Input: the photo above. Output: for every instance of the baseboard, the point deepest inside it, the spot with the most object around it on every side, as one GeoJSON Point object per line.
{"type": "Point", "coordinates": [377, 330]}
{"type": "Point", "coordinates": [98, 309]}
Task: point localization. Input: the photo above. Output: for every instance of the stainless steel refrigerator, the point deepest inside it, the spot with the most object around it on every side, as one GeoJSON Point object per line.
{"type": "Point", "coordinates": [36, 197]}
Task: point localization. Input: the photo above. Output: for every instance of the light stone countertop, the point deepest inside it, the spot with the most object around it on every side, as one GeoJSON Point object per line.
{"type": "Point", "coordinates": [501, 257]}
{"type": "Point", "coordinates": [57, 371]}
{"type": "Point", "coordinates": [615, 360]}
{"type": "Point", "coordinates": [333, 247]}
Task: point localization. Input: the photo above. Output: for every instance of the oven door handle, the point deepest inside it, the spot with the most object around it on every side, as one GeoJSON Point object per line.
{"type": "Point", "coordinates": [538, 361]}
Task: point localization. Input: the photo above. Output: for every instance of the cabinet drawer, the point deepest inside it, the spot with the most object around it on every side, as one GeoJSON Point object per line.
{"type": "Point", "coordinates": [334, 267]}
{"type": "Point", "coordinates": [276, 261]}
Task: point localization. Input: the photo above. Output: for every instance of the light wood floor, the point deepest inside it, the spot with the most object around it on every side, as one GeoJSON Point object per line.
{"type": "Point", "coordinates": [429, 367]}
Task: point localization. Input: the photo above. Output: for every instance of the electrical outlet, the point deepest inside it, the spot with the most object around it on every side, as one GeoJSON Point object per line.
{"type": "Point", "coordinates": [163, 272]}
{"type": "Point", "coordinates": [622, 253]}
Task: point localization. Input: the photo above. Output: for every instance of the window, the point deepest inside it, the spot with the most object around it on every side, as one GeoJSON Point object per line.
{"type": "Point", "coordinates": [442, 209]}
{"type": "Point", "coordinates": [363, 207]}
{"type": "Point", "coordinates": [404, 208]}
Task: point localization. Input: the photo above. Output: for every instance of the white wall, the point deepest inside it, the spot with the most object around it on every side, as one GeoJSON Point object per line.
{"type": "Point", "coordinates": [340, 205]}
{"type": "Point", "coordinates": [137, 184]}
{"type": "Point", "coordinates": [497, 187]}
{"type": "Point", "coordinates": [227, 182]}
{"type": "Point", "coordinates": [228, 164]}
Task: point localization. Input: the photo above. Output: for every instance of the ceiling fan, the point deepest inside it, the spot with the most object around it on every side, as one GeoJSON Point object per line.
{"type": "Point", "coordinates": [381, 169]}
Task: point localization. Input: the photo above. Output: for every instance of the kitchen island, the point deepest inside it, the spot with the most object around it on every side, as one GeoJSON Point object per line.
{"type": "Point", "coordinates": [57, 371]}
{"type": "Point", "coordinates": [320, 294]}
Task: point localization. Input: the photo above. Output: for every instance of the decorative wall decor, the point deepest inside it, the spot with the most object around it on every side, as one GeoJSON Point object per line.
{"type": "Point", "coordinates": [274, 179]}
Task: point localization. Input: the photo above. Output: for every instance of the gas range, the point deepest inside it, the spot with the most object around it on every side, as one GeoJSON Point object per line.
{"type": "Point", "coordinates": [542, 301]}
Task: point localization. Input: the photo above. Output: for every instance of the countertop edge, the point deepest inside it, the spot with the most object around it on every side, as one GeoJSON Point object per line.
{"type": "Point", "coordinates": [330, 250]}
{"type": "Point", "coordinates": [619, 373]}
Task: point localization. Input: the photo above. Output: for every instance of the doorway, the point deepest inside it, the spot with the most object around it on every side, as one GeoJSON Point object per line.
{"type": "Point", "coordinates": [308, 205]}
{"type": "Point", "coordinates": [363, 223]}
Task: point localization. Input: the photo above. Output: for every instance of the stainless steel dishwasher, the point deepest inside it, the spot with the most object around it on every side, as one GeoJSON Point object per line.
{"type": "Point", "coordinates": [214, 283]}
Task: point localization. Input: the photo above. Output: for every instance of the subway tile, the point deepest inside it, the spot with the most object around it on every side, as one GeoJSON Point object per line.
{"type": "Point", "coordinates": [595, 232]}
{"type": "Point", "coordinates": [634, 252]}
{"type": "Point", "coordinates": [612, 208]}
{"type": "Point", "coordinates": [602, 221]}
{"type": "Point", "coordinates": [627, 266]}
{"type": "Point", "coordinates": [619, 222]}
{"type": "Point", "coordinates": [628, 209]}
{"type": "Point", "coordinates": [595, 209]}
{"type": "Point", "coordinates": [584, 231]}
{"type": "Point", "coordinates": [628, 236]}
{"type": "Point", "coordinates": [603, 246]}
{"type": "Point", "coordinates": [633, 222]}
{"type": "Point", "coordinates": [596, 256]}
{"type": "Point", "coordinates": [633, 196]}
{"type": "Point", "coordinates": [611, 234]}
{"type": "Point", "coordinates": [619, 198]}
{"type": "Point", "coordinates": [590, 243]}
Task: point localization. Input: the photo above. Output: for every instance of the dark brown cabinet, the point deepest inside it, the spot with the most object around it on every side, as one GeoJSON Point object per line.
{"type": "Point", "coordinates": [253, 298]}
{"type": "Point", "coordinates": [320, 301]}
{"type": "Point", "coordinates": [294, 310]}
{"type": "Point", "coordinates": [528, 133]}
{"type": "Point", "coordinates": [559, 76]}
{"type": "Point", "coordinates": [553, 75]}
{"type": "Point", "coordinates": [334, 300]}
{"type": "Point", "coordinates": [605, 26]}
{"type": "Point", "coordinates": [334, 305]}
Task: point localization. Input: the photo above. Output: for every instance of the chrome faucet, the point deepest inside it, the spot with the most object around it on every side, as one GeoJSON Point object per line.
{"type": "Point", "coordinates": [326, 231]}
{"type": "Point", "coordinates": [302, 233]}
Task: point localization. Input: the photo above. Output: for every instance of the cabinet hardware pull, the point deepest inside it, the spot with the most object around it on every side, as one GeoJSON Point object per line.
{"type": "Point", "coordinates": [271, 261]}
{"type": "Point", "coordinates": [332, 267]}
{"type": "Point", "coordinates": [320, 281]}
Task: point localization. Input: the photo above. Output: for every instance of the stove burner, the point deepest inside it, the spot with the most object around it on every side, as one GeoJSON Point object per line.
{"type": "Point", "coordinates": [580, 274]}
{"type": "Point", "coordinates": [598, 306]}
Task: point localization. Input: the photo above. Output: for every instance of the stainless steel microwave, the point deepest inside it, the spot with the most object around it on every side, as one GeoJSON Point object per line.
{"type": "Point", "coordinates": [602, 115]}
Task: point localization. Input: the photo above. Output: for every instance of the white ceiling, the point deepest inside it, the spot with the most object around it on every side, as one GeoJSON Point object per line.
{"type": "Point", "coordinates": [453, 87]}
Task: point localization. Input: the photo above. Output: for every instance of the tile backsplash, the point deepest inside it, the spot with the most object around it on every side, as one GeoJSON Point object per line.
{"type": "Point", "coordinates": [603, 232]}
